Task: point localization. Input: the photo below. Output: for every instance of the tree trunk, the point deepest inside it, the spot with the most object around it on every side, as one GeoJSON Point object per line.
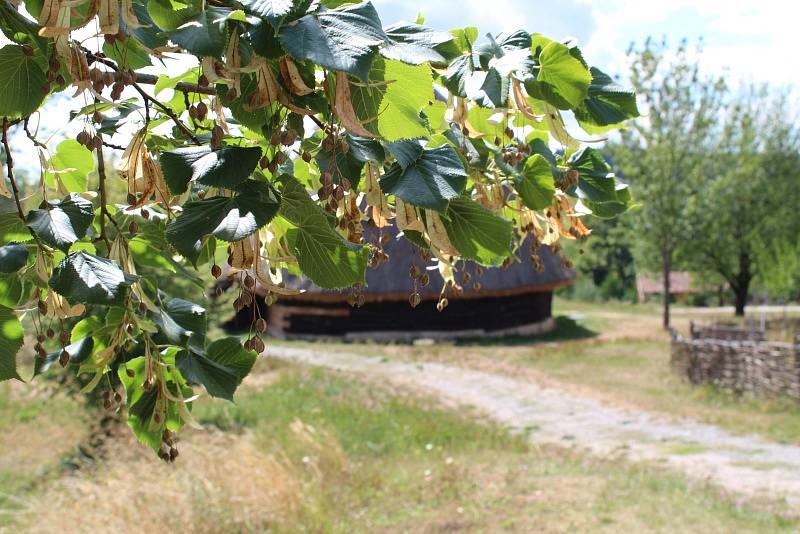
{"type": "Point", "coordinates": [740, 292]}
{"type": "Point", "coordinates": [742, 287]}
{"type": "Point", "coordinates": [666, 257]}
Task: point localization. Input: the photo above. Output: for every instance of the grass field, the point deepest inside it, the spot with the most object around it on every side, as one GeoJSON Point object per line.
{"type": "Point", "coordinates": [616, 353]}
{"type": "Point", "coordinates": [312, 451]}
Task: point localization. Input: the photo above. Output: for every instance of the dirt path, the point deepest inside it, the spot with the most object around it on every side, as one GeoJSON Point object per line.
{"type": "Point", "coordinates": [740, 464]}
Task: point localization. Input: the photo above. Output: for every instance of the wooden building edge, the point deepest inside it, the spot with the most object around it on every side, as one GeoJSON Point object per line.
{"type": "Point", "coordinates": [522, 314]}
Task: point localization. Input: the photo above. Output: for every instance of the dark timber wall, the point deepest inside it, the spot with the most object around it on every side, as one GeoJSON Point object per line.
{"type": "Point", "coordinates": [298, 317]}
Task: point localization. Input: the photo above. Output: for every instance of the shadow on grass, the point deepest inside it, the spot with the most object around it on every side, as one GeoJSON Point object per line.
{"type": "Point", "coordinates": [567, 329]}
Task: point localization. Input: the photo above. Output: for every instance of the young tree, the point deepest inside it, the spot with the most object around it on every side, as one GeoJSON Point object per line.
{"type": "Point", "coordinates": [751, 173]}
{"type": "Point", "coordinates": [659, 155]}
{"type": "Point", "coordinates": [295, 122]}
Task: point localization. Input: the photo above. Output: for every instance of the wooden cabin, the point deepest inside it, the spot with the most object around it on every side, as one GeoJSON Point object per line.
{"type": "Point", "coordinates": [515, 300]}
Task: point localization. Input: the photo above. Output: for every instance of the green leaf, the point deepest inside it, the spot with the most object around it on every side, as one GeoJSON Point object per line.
{"type": "Point", "coordinates": [597, 188]}
{"type": "Point", "coordinates": [272, 10]}
{"type": "Point", "coordinates": [564, 73]}
{"type": "Point", "coordinates": [203, 35]}
{"type": "Point", "coordinates": [21, 29]}
{"type": "Point", "coordinates": [182, 322]}
{"type": "Point", "coordinates": [607, 106]}
{"type": "Point", "coordinates": [414, 43]}
{"type": "Point", "coordinates": [392, 109]}
{"type": "Point", "coordinates": [224, 167]}
{"type": "Point", "coordinates": [13, 229]}
{"type": "Point", "coordinates": [169, 14]}
{"type": "Point", "coordinates": [477, 233]}
{"type": "Point", "coordinates": [343, 39]}
{"type": "Point", "coordinates": [220, 368]}
{"type": "Point", "coordinates": [142, 404]}
{"type": "Point", "coordinates": [128, 54]}
{"type": "Point", "coordinates": [434, 177]}
{"type": "Point", "coordinates": [13, 257]}
{"type": "Point", "coordinates": [73, 163]}
{"type": "Point", "coordinates": [227, 218]}
{"type": "Point", "coordinates": [323, 254]}
{"type": "Point", "coordinates": [14, 290]}
{"type": "Point", "coordinates": [11, 335]}
{"type": "Point", "coordinates": [64, 223]}
{"type": "Point", "coordinates": [84, 278]}
{"type": "Point", "coordinates": [21, 81]}
{"type": "Point", "coordinates": [341, 166]}
{"type": "Point", "coordinates": [78, 352]}
{"type": "Point", "coordinates": [535, 184]}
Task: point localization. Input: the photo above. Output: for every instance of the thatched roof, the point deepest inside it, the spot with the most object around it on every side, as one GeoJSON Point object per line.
{"type": "Point", "coordinates": [391, 281]}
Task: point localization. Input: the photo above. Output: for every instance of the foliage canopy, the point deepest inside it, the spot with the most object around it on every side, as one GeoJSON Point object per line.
{"type": "Point", "coordinates": [295, 123]}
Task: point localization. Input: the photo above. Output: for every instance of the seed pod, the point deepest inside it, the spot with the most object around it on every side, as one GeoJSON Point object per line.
{"type": "Point", "coordinates": [202, 81]}
{"type": "Point", "coordinates": [258, 345]}
{"type": "Point", "coordinates": [145, 213]}
{"type": "Point", "coordinates": [108, 77]}
{"type": "Point", "coordinates": [280, 158]}
{"type": "Point", "coordinates": [40, 338]}
{"type": "Point", "coordinates": [133, 228]}
{"type": "Point", "coordinates": [130, 372]}
{"type": "Point", "coordinates": [192, 112]}
{"type": "Point", "coordinates": [63, 358]}
{"type": "Point", "coordinates": [97, 117]}
{"type": "Point", "coordinates": [131, 199]}
{"type": "Point", "coordinates": [232, 93]}
{"type": "Point", "coordinates": [217, 291]}
{"type": "Point", "coordinates": [414, 300]}
{"type": "Point", "coordinates": [345, 184]}
{"type": "Point", "coordinates": [424, 279]}
{"type": "Point", "coordinates": [306, 156]}
{"type": "Point", "coordinates": [142, 307]}
{"type": "Point", "coordinates": [263, 162]}
{"type": "Point", "coordinates": [272, 167]}
{"type": "Point", "coordinates": [42, 307]}
{"type": "Point", "coordinates": [246, 298]}
{"type": "Point", "coordinates": [249, 282]}
{"type": "Point", "coordinates": [216, 271]}
{"type": "Point", "coordinates": [64, 337]}
{"type": "Point", "coordinates": [509, 132]}
{"type": "Point", "coordinates": [338, 193]}
{"type": "Point", "coordinates": [327, 178]}
{"type": "Point", "coordinates": [60, 80]}
{"type": "Point", "coordinates": [261, 326]}
{"type": "Point", "coordinates": [117, 397]}
{"type": "Point", "coordinates": [202, 110]}
{"type": "Point", "coordinates": [275, 138]}
{"type": "Point", "coordinates": [173, 453]}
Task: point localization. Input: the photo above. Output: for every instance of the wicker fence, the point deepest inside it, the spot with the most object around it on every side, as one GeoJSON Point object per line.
{"type": "Point", "coordinates": [741, 363]}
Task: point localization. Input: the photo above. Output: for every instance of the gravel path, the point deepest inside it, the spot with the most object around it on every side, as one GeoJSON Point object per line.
{"type": "Point", "coordinates": [740, 464]}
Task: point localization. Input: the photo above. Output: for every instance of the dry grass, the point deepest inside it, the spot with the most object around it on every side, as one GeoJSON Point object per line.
{"type": "Point", "coordinates": [222, 483]}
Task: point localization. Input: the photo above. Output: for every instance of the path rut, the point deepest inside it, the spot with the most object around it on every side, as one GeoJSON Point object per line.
{"type": "Point", "coordinates": [747, 465]}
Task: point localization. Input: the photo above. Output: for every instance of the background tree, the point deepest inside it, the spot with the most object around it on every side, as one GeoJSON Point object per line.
{"type": "Point", "coordinates": [660, 153]}
{"type": "Point", "coordinates": [751, 173]}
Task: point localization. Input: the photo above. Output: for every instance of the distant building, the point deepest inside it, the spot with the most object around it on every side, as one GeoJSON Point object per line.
{"type": "Point", "coordinates": [680, 283]}
{"type": "Point", "coordinates": [515, 300]}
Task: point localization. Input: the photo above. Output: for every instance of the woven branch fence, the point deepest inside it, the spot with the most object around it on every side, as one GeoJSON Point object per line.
{"type": "Point", "coordinates": [738, 360]}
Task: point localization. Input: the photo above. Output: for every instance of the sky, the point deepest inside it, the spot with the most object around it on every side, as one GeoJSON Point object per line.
{"type": "Point", "coordinates": [748, 41]}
